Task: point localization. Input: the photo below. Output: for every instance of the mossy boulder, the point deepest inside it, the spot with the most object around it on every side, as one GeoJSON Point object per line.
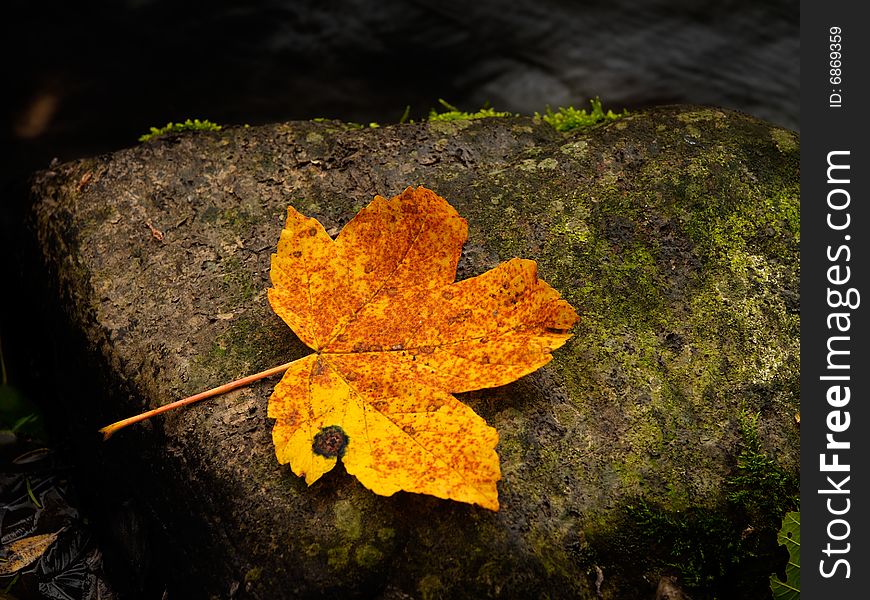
{"type": "Point", "coordinates": [660, 444]}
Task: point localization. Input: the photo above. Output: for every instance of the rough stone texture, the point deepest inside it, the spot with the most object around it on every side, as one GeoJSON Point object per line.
{"type": "Point", "coordinates": [663, 431]}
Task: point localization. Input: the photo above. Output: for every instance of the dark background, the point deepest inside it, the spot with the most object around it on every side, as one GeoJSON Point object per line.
{"type": "Point", "coordinates": [90, 77]}
{"type": "Point", "coordinates": [83, 78]}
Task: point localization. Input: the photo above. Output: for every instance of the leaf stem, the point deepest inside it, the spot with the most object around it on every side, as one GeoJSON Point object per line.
{"type": "Point", "coordinates": [108, 430]}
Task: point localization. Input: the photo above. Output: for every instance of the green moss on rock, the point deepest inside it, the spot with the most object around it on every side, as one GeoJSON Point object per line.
{"type": "Point", "coordinates": [569, 118]}
{"type": "Point", "coordinates": [713, 553]}
{"type": "Point", "coordinates": [253, 575]}
{"type": "Point", "coordinates": [368, 556]}
{"type": "Point", "coordinates": [759, 486]}
{"type": "Point", "coordinates": [348, 519]}
{"type": "Point", "coordinates": [454, 114]}
{"type": "Point", "coordinates": [187, 125]}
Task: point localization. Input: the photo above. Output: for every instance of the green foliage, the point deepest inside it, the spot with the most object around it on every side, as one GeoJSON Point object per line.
{"type": "Point", "coordinates": [188, 125]}
{"type": "Point", "coordinates": [454, 114]}
{"type": "Point", "coordinates": [712, 554]}
{"type": "Point", "coordinates": [569, 118]}
{"type": "Point", "coordinates": [18, 416]}
{"type": "Point", "coordinates": [790, 537]}
{"type": "Point", "coordinates": [716, 553]}
{"type": "Point", "coordinates": [563, 119]}
{"type": "Point", "coordinates": [700, 545]}
{"type": "Point", "coordinates": [760, 486]}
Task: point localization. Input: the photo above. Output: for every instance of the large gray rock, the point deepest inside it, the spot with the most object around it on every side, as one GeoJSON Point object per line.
{"type": "Point", "coordinates": [661, 442]}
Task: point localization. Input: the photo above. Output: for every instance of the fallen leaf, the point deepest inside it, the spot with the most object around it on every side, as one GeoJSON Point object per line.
{"type": "Point", "coordinates": [24, 552]}
{"type": "Point", "coordinates": [394, 337]}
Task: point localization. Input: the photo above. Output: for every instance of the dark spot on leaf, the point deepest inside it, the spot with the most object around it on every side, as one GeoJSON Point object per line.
{"type": "Point", "coordinates": [447, 295]}
{"type": "Point", "coordinates": [330, 442]}
{"type": "Point", "coordinates": [391, 291]}
{"type": "Point", "coordinates": [342, 337]}
{"type": "Point", "coordinates": [297, 253]}
{"type": "Point", "coordinates": [312, 232]}
{"type": "Point", "coordinates": [369, 268]}
{"type": "Point", "coordinates": [409, 429]}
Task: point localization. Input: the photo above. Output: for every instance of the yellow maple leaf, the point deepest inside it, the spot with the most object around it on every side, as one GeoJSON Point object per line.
{"type": "Point", "coordinates": [394, 337]}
